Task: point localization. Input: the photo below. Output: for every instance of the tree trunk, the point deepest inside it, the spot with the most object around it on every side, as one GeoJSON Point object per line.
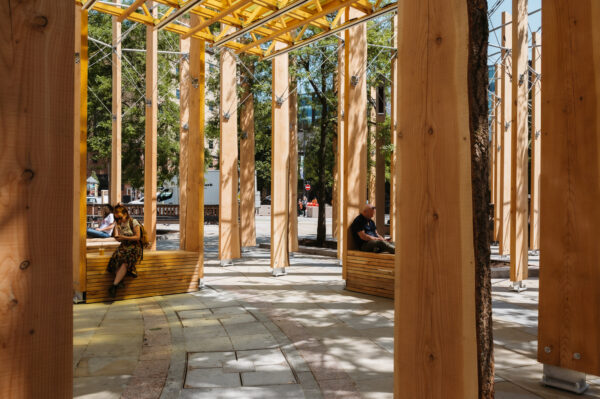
{"type": "Point", "coordinates": [478, 111]}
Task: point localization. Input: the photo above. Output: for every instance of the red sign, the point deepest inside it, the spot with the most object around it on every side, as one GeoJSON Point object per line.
{"type": "Point", "coordinates": [307, 187]}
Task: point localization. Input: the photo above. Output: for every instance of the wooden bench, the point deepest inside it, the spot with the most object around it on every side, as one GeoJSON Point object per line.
{"type": "Point", "coordinates": [370, 273]}
{"type": "Point", "coordinates": [109, 245]}
{"type": "Point", "coordinates": [159, 273]}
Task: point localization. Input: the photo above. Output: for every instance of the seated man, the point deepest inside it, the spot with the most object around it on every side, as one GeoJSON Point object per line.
{"type": "Point", "coordinates": [365, 233]}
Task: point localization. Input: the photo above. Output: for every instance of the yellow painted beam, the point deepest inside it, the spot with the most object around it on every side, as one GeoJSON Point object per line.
{"type": "Point", "coordinates": [128, 11]}
{"type": "Point", "coordinates": [236, 6]}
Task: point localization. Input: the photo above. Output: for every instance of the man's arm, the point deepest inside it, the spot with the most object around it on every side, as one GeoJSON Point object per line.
{"type": "Point", "coordinates": [365, 237]}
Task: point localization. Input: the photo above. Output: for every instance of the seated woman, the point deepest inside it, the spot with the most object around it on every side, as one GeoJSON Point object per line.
{"type": "Point", "coordinates": [123, 260]}
{"type": "Point", "coordinates": [106, 227]}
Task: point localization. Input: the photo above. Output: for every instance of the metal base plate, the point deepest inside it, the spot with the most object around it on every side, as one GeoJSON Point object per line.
{"type": "Point", "coordinates": [517, 286]}
{"type": "Point", "coordinates": [78, 297]}
{"type": "Point", "coordinates": [226, 262]}
{"type": "Point", "coordinates": [201, 284]}
{"type": "Point", "coordinates": [568, 380]}
{"type": "Point", "coordinates": [278, 271]}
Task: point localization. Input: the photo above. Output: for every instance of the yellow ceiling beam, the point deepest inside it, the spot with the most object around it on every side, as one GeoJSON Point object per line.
{"type": "Point", "coordinates": [128, 11]}
{"type": "Point", "coordinates": [329, 8]}
{"type": "Point", "coordinates": [236, 6]}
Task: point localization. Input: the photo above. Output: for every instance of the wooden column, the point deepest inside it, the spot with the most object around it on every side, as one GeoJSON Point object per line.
{"type": "Point", "coordinates": [435, 351]}
{"type": "Point", "coordinates": [504, 137]}
{"type": "Point", "coordinates": [229, 229]}
{"type": "Point", "coordinates": [39, 202]}
{"type": "Point", "coordinates": [393, 119]}
{"type": "Point", "coordinates": [371, 196]}
{"type": "Point", "coordinates": [194, 143]}
{"type": "Point", "coordinates": [355, 127]}
{"type": "Point", "coordinates": [519, 146]}
{"type": "Point", "coordinates": [536, 142]}
{"type": "Point", "coordinates": [115, 156]}
{"type": "Point", "coordinates": [247, 170]}
{"type": "Point", "coordinates": [379, 160]}
{"type": "Point", "coordinates": [496, 149]}
{"type": "Point", "coordinates": [184, 127]}
{"type": "Point", "coordinates": [569, 307]}
{"type": "Point", "coordinates": [150, 150]}
{"type": "Point", "coordinates": [340, 160]}
{"type": "Point", "coordinates": [293, 168]}
{"type": "Point", "coordinates": [80, 153]}
{"type": "Point", "coordinates": [280, 147]}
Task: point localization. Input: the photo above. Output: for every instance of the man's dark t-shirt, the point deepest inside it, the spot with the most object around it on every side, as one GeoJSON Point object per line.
{"type": "Point", "coordinates": [359, 224]}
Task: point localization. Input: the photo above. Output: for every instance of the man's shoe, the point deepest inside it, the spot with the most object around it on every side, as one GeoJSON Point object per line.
{"type": "Point", "coordinates": [112, 291]}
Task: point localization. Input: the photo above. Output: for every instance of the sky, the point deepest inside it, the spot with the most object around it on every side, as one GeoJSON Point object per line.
{"type": "Point", "coordinates": [535, 20]}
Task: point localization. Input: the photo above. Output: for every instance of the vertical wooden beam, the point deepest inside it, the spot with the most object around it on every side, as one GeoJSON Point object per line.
{"type": "Point", "coordinates": [379, 162]}
{"type": "Point", "coordinates": [293, 168]}
{"type": "Point", "coordinates": [355, 127]}
{"type": "Point", "coordinates": [194, 196]}
{"type": "Point", "coordinates": [536, 142]}
{"type": "Point", "coordinates": [372, 147]}
{"type": "Point", "coordinates": [280, 147]}
{"type": "Point", "coordinates": [115, 156]}
{"type": "Point", "coordinates": [435, 355]}
{"type": "Point", "coordinates": [569, 310]}
{"type": "Point", "coordinates": [247, 170]}
{"type": "Point", "coordinates": [150, 149]}
{"type": "Point", "coordinates": [80, 154]}
{"type": "Point", "coordinates": [393, 121]}
{"type": "Point", "coordinates": [519, 146]}
{"type": "Point", "coordinates": [340, 160]}
{"type": "Point", "coordinates": [497, 129]}
{"type": "Point", "coordinates": [229, 229]}
{"type": "Point", "coordinates": [505, 137]}
{"type": "Point", "coordinates": [39, 146]}
{"type": "Point", "coordinates": [184, 128]}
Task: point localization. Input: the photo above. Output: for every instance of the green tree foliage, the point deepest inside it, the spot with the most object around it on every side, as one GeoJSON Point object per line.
{"type": "Point", "coordinates": [133, 95]}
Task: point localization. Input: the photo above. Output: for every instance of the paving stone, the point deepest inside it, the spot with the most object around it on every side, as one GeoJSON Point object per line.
{"type": "Point", "coordinates": [262, 357]}
{"type": "Point", "coordinates": [246, 328]}
{"type": "Point", "coordinates": [152, 369]}
{"type": "Point", "coordinates": [508, 390]}
{"type": "Point", "coordinates": [307, 380]}
{"type": "Point", "coordinates": [211, 378]}
{"type": "Point", "coordinates": [269, 375]}
{"type": "Point", "coordinates": [194, 314]}
{"type": "Point", "coordinates": [209, 360]}
{"type": "Point", "coordinates": [266, 392]}
{"type": "Point", "coordinates": [242, 342]}
{"type": "Point", "coordinates": [229, 310]}
{"type": "Point", "coordinates": [215, 344]}
{"type": "Point", "coordinates": [204, 322]}
{"type": "Point", "coordinates": [98, 366]}
{"type": "Point", "coordinates": [100, 387]}
{"type": "Point", "coordinates": [228, 320]}
{"type": "Point", "coordinates": [143, 388]}
{"type": "Point", "coordinates": [238, 366]}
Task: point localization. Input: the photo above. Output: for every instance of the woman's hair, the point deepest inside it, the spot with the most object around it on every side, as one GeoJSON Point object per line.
{"type": "Point", "coordinates": [108, 209]}
{"type": "Point", "coordinates": [122, 209]}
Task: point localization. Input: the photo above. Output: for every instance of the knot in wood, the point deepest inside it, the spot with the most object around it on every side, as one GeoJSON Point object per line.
{"type": "Point", "coordinates": [24, 265]}
{"type": "Point", "coordinates": [435, 216]}
{"type": "Point", "coordinates": [438, 40]}
{"type": "Point", "coordinates": [28, 174]}
{"type": "Point", "coordinates": [40, 21]}
{"type": "Point", "coordinates": [430, 131]}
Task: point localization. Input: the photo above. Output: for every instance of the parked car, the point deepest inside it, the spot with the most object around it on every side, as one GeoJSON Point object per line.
{"type": "Point", "coordinates": [266, 200]}
{"type": "Point", "coordinates": [137, 202]}
{"type": "Point", "coordinates": [92, 200]}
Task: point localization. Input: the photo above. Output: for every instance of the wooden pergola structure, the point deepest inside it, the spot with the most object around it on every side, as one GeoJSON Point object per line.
{"type": "Point", "coordinates": [43, 144]}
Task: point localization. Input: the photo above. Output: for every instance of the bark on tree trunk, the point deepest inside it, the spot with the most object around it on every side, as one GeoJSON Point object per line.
{"type": "Point", "coordinates": [478, 107]}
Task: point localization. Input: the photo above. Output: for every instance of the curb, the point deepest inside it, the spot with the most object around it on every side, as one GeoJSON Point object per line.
{"type": "Point", "coordinates": [332, 253]}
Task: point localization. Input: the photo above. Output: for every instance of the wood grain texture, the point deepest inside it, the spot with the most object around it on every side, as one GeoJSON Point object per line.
{"type": "Point", "coordinates": [519, 189]}
{"type": "Point", "coordinates": [355, 128]}
{"type": "Point", "coordinates": [151, 122]}
{"type": "Point", "coordinates": [372, 125]}
{"type": "Point", "coordinates": [370, 273]}
{"type": "Point", "coordinates": [293, 169]}
{"type": "Point", "coordinates": [505, 140]}
{"type": "Point", "coordinates": [39, 132]}
{"type": "Point", "coordinates": [341, 132]}
{"type": "Point", "coordinates": [194, 194]}
{"type": "Point", "coordinates": [569, 308]}
{"type": "Point", "coordinates": [497, 127]}
{"type": "Point", "coordinates": [393, 120]}
{"type": "Point", "coordinates": [184, 129]}
{"type": "Point", "coordinates": [229, 228]}
{"type": "Point", "coordinates": [115, 156]}
{"type": "Point", "coordinates": [380, 172]}
{"type": "Point", "coordinates": [435, 352]}
{"type": "Point", "coordinates": [247, 169]}
{"type": "Point", "coordinates": [159, 273]}
{"type": "Point", "coordinates": [80, 151]}
{"type": "Point", "coordinates": [280, 147]}
{"type": "Point", "coordinates": [536, 142]}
